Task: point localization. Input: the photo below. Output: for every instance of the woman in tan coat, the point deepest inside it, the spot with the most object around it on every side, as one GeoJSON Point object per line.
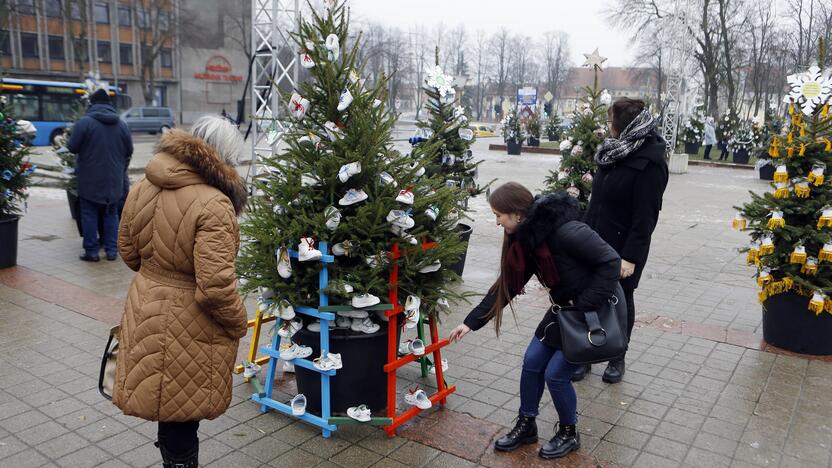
{"type": "Point", "coordinates": [183, 317]}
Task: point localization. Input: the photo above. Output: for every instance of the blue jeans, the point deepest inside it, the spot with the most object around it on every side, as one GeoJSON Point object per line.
{"type": "Point", "coordinates": [90, 214]}
{"type": "Point", "coordinates": [544, 365]}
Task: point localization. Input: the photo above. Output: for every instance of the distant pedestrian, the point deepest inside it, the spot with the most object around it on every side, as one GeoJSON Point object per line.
{"type": "Point", "coordinates": [183, 318]}
{"type": "Point", "coordinates": [710, 137]}
{"type": "Point", "coordinates": [626, 199]}
{"type": "Point", "coordinates": [104, 148]}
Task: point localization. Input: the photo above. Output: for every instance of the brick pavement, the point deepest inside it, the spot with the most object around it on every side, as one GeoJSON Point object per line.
{"type": "Point", "coordinates": [700, 390]}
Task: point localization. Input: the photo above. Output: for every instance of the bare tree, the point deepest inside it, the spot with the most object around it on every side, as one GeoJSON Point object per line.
{"type": "Point", "coordinates": [500, 49]}
{"type": "Point", "coordinates": [556, 60]}
{"type": "Point", "coordinates": [238, 15]}
{"type": "Point", "coordinates": [157, 23]}
{"type": "Point", "coordinates": [481, 69]}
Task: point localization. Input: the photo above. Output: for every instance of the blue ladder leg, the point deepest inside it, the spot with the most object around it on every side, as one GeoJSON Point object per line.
{"type": "Point", "coordinates": [272, 366]}
{"type": "Point", "coordinates": [323, 283]}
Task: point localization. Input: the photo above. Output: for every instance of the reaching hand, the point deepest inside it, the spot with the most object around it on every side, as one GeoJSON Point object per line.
{"type": "Point", "coordinates": [458, 332]}
{"type": "Point", "coordinates": [627, 269]}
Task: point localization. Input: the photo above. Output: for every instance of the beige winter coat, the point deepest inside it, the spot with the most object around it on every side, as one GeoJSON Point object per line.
{"type": "Point", "coordinates": [183, 317]}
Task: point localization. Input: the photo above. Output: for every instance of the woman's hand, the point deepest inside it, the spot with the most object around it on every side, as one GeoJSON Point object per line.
{"type": "Point", "coordinates": [458, 332]}
{"type": "Point", "coordinates": [627, 269]}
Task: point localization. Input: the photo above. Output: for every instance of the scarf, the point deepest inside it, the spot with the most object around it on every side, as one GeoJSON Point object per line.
{"type": "Point", "coordinates": [613, 150]}
{"type": "Point", "coordinates": [515, 268]}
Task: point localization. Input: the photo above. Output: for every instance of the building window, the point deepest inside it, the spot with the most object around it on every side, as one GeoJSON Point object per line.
{"type": "Point", "coordinates": [166, 58]}
{"type": "Point", "coordinates": [53, 8]}
{"type": "Point", "coordinates": [75, 11]}
{"type": "Point", "coordinates": [142, 20]}
{"type": "Point", "coordinates": [56, 47]}
{"type": "Point", "coordinates": [124, 18]}
{"type": "Point", "coordinates": [29, 45]}
{"type": "Point", "coordinates": [102, 13]}
{"type": "Point", "coordinates": [164, 20]}
{"type": "Point", "coordinates": [104, 52]}
{"type": "Point", "coordinates": [26, 7]}
{"type": "Point", "coordinates": [80, 48]}
{"type": "Point", "coordinates": [5, 46]}
{"type": "Point", "coordinates": [147, 53]}
{"type": "Point", "coordinates": [125, 54]}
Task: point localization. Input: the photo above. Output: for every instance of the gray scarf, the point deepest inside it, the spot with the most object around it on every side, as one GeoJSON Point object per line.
{"type": "Point", "coordinates": [613, 150]}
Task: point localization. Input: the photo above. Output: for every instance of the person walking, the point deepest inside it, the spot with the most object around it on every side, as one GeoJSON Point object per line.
{"type": "Point", "coordinates": [710, 137]}
{"type": "Point", "coordinates": [543, 237]}
{"type": "Point", "coordinates": [626, 199]}
{"type": "Point", "coordinates": [104, 147]}
{"type": "Point", "coordinates": [183, 317]}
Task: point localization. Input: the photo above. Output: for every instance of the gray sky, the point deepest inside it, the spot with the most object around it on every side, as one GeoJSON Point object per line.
{"type": "Point", "coordinates": [583, 20]}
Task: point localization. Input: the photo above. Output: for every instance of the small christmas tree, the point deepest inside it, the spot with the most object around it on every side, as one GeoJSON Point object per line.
{"type": "Point", "coordinates": [728, 124]}
{"type": "Point", "coordinates": [533, 126]}
{"type": "Point", "coordinates": [15, 168]}
{"type": "Point", "coordinates": [694, 129]}
{"type": "Point", "coordinates": [791, 226]}
{"type": "Point", "coordinates": [512, 130]}
{"type": "Point", "coordinates": [553, 129]}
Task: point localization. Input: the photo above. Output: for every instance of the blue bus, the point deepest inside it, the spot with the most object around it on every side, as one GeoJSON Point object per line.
{"type": "Point", "coordinates": [50, 105]}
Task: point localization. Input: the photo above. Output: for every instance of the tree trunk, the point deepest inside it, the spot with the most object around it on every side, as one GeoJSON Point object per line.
{"type": "Point", "coordinates": [729, 68]}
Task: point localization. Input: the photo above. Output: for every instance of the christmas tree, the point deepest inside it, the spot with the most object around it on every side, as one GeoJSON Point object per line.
{"type": "Point", "coordinates": [15, 168]}
{"type": "Point", "coordinates": [694, 129]}
{"type": "Point", "coordinates": [447, 125]}
{"type": "Point", "coordinates": [728, 124]}
{"type": "Point", "coordinates": [791, 226]}
{"type": "Point", "coordinates": [340, 181]}
{"type": "Point", "coordinates": [745, 136]}
{"type": "Point", "coordinates": [577, 165]}
{"type": "Point", "coordinates": [533, 125]}
{"type": "Point", "coordinates": [511, 128]}
{"type": "Point", "coordinates": [553, 129]}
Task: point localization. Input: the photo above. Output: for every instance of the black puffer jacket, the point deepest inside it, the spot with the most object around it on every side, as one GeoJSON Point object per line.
{"type": "Point", "coordinates": [588, 266]}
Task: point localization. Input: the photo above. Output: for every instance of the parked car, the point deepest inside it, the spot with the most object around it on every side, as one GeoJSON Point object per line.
{"type": "Point", "coordinates": [482, 130]}
{"type": "Point", "coordinates": [148, 119]}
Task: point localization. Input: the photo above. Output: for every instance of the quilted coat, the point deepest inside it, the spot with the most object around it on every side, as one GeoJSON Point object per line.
{"type": "Point", "coordinates": [183, 317]}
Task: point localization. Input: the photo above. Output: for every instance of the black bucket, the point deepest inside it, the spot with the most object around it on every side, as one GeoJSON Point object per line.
{"type": "Point", "coordinates": [513, 147]}
{"type": "Point", "coordinates": [789, 324]}
{"type": "Point", "coordinates": [362, 380]}
{"type": "Point", "coordinates": [8, 241]}
{"type": "Point", "coordinates": [464, 234]}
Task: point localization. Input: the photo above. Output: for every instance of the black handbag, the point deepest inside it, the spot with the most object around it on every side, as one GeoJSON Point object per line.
{"type": "Point", "coordinates": [107, 375]}
{"type": "Point", "coordinates": [588, 337]}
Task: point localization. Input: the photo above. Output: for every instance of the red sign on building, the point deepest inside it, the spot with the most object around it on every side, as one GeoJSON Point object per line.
{"type": "Point", "coordinates": [218, 68]}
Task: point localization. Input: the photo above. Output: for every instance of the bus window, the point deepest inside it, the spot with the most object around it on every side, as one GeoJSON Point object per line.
{"type": "Point", "coordinates": [123, 102]}
{"type": "Point", "coordinates": [25, 107]}
{"type": "Point", "coordinates": [59, 108]}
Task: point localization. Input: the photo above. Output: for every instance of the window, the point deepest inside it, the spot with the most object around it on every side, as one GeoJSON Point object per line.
{"type": "Point", "coordinates": [5, 46]}
{"type": "Point", "coordinates": [58, 107]}
{"type": "Point", "coordinates": [124, 18]}
{"type": "Point", "coordinates": [104, 53]}
{"type": "Point", "coordinates": [75, 10]}
{"type": "Point", "coordinates": [26, 7]}
{"type": "Point", "coordinates": [166, 58]}
{"type": "Point", "coordinates": [29, 45]}
{"type": "Point", "coordinates": [56, 47]}
{"type": "Point", "coordinates": [80, 49]}
{"type": "Point", "coordinates": [25, 106]}
{"type": "Point", "coordinates": [53, 8]}
{"type": "Point", "coordinates": [142, 20]}
{"type": "Point", "coordinates": [147, 53]}
{"type": "Point", "coordinates": [102, 13]}
{"type": "Point", "coordinates": [125, 54]}
{"type": "Point", "coordinates": [152, 112]}
{"type": "Point", "coordinates": [135, 114]}
{"type": "Point", "coordinates": [164, 20]}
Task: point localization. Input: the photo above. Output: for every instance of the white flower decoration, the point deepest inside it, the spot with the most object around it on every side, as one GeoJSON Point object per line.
{"type": "Point", "coordinates": [439, 80]}
{"type": "Point", "coordinates": [565, 145]}
{"type": "Point", "coordinates": [809, 89]}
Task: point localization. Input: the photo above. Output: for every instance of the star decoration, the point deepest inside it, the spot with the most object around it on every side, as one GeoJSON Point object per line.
{"type": "Point", "coordinates": [809, 89]}
{"type": "Point", "coordinates": [439, 80]}
{"type": "Point", "coordinates": [594, 59]}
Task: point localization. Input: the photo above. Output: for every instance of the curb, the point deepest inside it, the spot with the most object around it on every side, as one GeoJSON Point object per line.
{"type": "Point", "coordinates": [526, 149]}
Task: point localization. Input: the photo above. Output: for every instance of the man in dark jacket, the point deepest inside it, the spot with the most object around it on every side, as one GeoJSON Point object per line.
{"type": "Point", "coordinates": [104, 148]}
{"type": "Point", "coordinates": [626, 199]}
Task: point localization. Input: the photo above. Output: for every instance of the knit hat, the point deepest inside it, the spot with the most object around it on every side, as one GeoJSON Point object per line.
{"type": "Point", "coordinates": [100, 97]}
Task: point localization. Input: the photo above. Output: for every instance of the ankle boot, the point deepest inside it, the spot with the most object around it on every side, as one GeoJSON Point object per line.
{"type": "Point", "coordinates": [582, 371]}
{"type": "Point", "coordinates": [187, 460]}
{"type": "Point", "coordinates": [565, 441]}
{"type": "Point", "coordinates": [614, 371]}
{"type": "Point", "coordinates": [524, 432]}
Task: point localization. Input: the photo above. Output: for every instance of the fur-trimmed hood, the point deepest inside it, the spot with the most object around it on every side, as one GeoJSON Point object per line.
{"type": "Point", "coordinates": [548, 213]}
{"type": "Point", "coordinates": [182, 159]}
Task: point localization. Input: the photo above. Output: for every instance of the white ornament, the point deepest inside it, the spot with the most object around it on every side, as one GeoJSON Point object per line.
{"type": "Point", "coordinates": [439, 80]}
{"type": "Point", "coordinates": [606, 98]}
{"type": "Point", "coordinates": [573, 191]}
{"type": "Point", "coordinates": [809, 89]}
{"type": "Point", "coordinates": [594, 59]}
{"type": "Point", "coordinates": [565, 145]}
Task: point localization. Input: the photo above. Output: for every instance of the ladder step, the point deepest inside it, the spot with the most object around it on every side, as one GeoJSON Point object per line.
{"type": "Point", "coordinates": [348, 308]}
{"type": "Point", "coordinates": [324, 258]}
{"type": "Point", "coordinates": [266, 319]}
{"type": "Point", "coordinates": [414, 410]}
{"type": "Point", "coordinates": [338, 420]}
{"type": "Point", "coordinates": [286, 409]}
{"type": "Point", "coordinates": [259, 361]}
{"type": "Point", "coordinates": [305, 363]}
{"type": "Point", "coordinates": [392, 366]}
{"type": "Point", "coordinates": [315, 313]}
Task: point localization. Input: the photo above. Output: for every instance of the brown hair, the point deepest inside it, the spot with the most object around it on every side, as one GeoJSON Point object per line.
{"type": "Point", "coordinates": [623, 111]}
{"type": "Point", "coordinates": [508, 198]}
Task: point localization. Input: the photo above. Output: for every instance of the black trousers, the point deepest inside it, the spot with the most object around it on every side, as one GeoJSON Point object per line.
{"type": "Point", "coordinates": [708, 151]}
{"type": "Point", "coordinates": [631, 311]}
{"type": "Point", "coordinates": [178, 438]}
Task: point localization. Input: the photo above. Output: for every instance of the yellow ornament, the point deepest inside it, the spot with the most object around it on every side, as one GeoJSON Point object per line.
{"type": "Point", "coordinates": [828, 144]}
{"type": "Point", "coordinates": [791, 109]}
{"type": "Point", "coordinates": [752, 257]}
{"type": "Point", "coordinates": [767, 245]}
{"type": "Point", "coordinates": [816, 304]}
{"type": "Point", "coordinates": [764, 277]}
{"type": "Point", "coordinates": [739, 223]}
{"type": "Point", "coordinates": [790, 138]}
{"type": "Point", "coordinates": [825, 219]}
{"type": "Point", "coordinates": [781, 190]}
{"type": "Point", "coordinates": [824, 110]}
{"type": "Point", "coordinates": [810, 268]}
{"type": "Point", "coordinates": [802, 130]}
{"type": "Point", "coordinates": [802, 149]}
{"type": "Point", "coordinates": [825, 254]}
{"type": "Point", "coordinates": [798, 255]}
{"type": "Point", "coordinates": [790, 151]}
{"type": "Point", "coordinates": [802, 190]}
{"type": "Point", "coordinates": [816, 175]}
{"type": "Point", "coordinates": [774, 151]}
{"type": "Point", "coordinates": [776, 220]}
{"type": "Point", "coordinates": [781, 174]}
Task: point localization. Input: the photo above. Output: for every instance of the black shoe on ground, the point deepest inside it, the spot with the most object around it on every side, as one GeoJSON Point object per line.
{"type": "Point", "coordinates": [89, 258]}
{"type": "Point", "coordinates": [169, 460]}
{"type": "Point", "coordinates": [565, 441]}
{"type": "Point", "coordinates": [614, 371]}
{"type": "Point", "coordinates": [524, 432]}
{"type": "Point", "coordinates": [582, 371]}
{"type": "Point", "coordinates": [112, 257]}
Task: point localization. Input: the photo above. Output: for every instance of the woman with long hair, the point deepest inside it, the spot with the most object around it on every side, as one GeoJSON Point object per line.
{"type": "Point", "coordinates": [543, 237]}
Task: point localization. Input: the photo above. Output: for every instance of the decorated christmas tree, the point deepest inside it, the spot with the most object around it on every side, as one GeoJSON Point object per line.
{"type": "Point", "coordinates": [553, 129]}
{"type": "Point", "coordinates": [15, 168]}
{"type": "Point", "coordinates": [728, 124]}
{"type": "Point", "coordinates": [745, 137]}
{"type": "Point", "coordinates": [533, 126]}
{"type": "Point", "coordinates": [339, 181]}
{"type": "Point", "coordinates": [511, 128]}
{"type": "Point", "coordinates": [694, 130]}
{"type": "Point", "coordinates": [791, 225]}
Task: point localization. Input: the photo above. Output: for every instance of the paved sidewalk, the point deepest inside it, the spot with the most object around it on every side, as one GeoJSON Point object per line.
{"type": "Point", "coordinates": [701, 388]}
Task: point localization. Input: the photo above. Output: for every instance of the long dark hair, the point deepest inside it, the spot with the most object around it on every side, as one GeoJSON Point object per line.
{"type": "Point", "coordinates": [509, 198]}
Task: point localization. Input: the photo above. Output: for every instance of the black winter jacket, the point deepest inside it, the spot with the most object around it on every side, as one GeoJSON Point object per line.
{"type": "Point", "coordinates": [625, 203]}
{"type": "Point", "coordinates": [588, 266]}
{"type": "Point", "coordinates": [104, 147]}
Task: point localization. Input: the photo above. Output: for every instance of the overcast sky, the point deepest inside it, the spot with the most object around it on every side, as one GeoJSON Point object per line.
{"type": "Point", "coordinates": [583, 20]}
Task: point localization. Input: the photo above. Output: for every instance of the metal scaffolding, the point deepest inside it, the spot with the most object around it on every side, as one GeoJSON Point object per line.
{"type": "Point", "coordinates": [680, 41]}
{"type": "Point", "coordinates": [274, 69]}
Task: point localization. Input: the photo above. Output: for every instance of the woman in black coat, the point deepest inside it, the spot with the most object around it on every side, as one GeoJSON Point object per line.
{"type": "Point", "coordinates": [543, 237]}
{"type": "Point", "coordinates": [626, 199]}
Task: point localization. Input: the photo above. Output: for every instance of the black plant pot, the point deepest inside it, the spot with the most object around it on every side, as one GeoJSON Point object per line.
{"type": "Point", "coordinates": [553, 136]}
{"type": "Point", "coordinates": [741, 156]}
{"type": "Point", "coordinates": [692, 148]}
{"type": "Point", "coordinates": [767, 172]}
{"type": "Point", "coordinates": [789, 324]}
{"type": "Point", "coordinates": [464, 234]}
{"type": "Point", "coordinates": [362, 380]}
{"type": "Point", "coordinates": [514, 147]}
{"type": "Point", "coordinates": [8, 240]}
{"type": "Point", "coordinates": [534, 141]}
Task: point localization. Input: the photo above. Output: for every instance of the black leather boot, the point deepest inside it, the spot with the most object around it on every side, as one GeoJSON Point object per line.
{"type": "Point", "coordinates": [582, 371]}
{"type": "Point", "coordinates": [524, 432]}
{"type": "Point", "coordinates": [169, 460]}
{"type": "Point", "coordinates": [565, 441]}
{"type": "Point", "coordinates": [614, 371]}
